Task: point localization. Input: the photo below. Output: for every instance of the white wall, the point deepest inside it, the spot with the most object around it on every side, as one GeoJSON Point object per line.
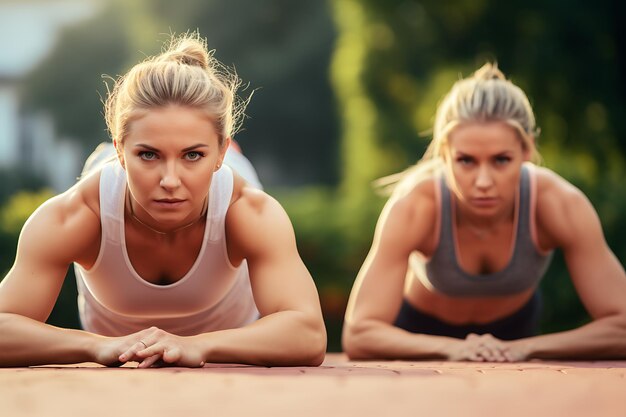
{"type": "Point", "coordinates": [29, 29]}
{"type": "Point", "coordinates": [28, 32]}
{"type": "Point", "coordinates": [9, 124]}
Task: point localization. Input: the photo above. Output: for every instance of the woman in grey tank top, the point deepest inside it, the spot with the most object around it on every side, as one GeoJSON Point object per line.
{"type": "Point", "coordinates": [466, 236]}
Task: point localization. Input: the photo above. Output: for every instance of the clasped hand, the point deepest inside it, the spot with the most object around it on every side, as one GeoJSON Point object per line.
{"type": "Point", "coordinates": [150, 347]}
{"type": "Point", "coordinates": [485, 348]}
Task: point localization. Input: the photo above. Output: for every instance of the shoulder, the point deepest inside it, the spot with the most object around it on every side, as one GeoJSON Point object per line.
{"type": "Point", "coordinates": [411, 217]}
{"type": "Point", "coordinates": [253, 207]}
{"type": "Point", "coordinates": [420, 199]}
{"type": "Point", "coordinates": [563, 210]}
{"type": "Point", "coordinates": [554, 192]}
{"type": "Point", "coordinates": [256, 223]}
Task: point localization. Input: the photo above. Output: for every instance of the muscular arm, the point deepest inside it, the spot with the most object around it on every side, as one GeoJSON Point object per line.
{"type": "Point", "coordinates": [46, 245]}
{"type": "Point", "coordinates": [404, 226]}
{"type": "Point", "coordinates": [53, 237]}
{"type": "Point", "coordinates": [291, 330]}
{"type": "Point", "coordinates": [598, 276]}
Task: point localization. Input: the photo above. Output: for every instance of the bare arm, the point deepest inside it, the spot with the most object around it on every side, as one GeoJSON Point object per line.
{"type": "Point", "coordinates": [53, 237]}
{"type": "Point", "coordinates": [599, 279]}
{"type": "Point", "coordinates": [404, 226]}
{"type": "Point", "coordinates": [27, 294]}
{"type": "Point", "coordinates": [291, 330]}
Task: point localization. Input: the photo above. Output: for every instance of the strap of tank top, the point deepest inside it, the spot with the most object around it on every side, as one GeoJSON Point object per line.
{"type": "Point", "coordinates": [446, 240]}
{"type": "Point", "coordinates": [112, 190]}
{"type": "Point", "coordinates": [523, 217]}
{"type": "Point", "coordinates": [219, 200]}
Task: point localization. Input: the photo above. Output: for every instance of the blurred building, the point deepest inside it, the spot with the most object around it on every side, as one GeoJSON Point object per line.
{"type": "Point", "coordinates": [28, 32]}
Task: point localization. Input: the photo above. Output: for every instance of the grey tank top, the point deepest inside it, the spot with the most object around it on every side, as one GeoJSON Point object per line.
{"type": "Point", "coordinates": [526, 266]}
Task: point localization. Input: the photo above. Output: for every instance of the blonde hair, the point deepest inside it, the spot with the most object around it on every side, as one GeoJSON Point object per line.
{"type": "Point", "coordinates": [483, 97]}
{"type": "Point", "coordinates": [185, 73]}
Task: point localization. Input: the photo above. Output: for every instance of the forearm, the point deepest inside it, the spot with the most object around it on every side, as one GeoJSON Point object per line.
{"type": "Point", "coordinates": [286, 338]}
{"type": "Point", "coordinates": [378, 340]}
{"type": "Point", "coordinates": [27, 342]}
{"type": "Point", "coordinates": [601, 339]}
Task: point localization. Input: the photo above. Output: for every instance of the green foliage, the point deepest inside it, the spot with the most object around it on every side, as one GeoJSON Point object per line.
{"type": "Point", "coordinates": [19, 208]}
{"type": "Point", "coordinates": [333, 243]}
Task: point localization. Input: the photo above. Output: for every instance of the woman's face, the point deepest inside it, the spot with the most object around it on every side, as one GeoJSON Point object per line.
{"type": "Point", "coordinates": [485, 160]}
{"type": "Point", "coordinates": [170, 155]}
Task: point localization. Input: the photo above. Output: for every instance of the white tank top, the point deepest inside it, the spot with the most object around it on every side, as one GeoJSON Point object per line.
{"type": "Point", "coordinates": [113, 300]}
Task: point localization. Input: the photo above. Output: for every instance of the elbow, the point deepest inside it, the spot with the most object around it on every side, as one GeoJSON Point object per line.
{"type": "Point", "coordinates": [317, 350]}
{"type": "Point", "coordinates": [313, 342]}
{"type": "Point", "coordinates": [353, 341]}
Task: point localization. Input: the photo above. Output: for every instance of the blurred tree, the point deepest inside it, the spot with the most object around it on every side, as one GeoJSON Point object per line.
{"type": "Point", "coordinates": [280, 48]}
{"type": "Point", "coordinates": [68, 84]}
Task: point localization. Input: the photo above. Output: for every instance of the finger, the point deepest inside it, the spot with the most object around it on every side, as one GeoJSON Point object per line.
{"type": "Point", "coordinates": [472, 336]}
{"type": "Point", "coordinates": [156, 349]}
{"type": "Point", "coordinates": [132, 351]}
{"type": "Point", "coordinates": [471, 355]}
{"type": "Point", "coordinates": [496, 355]}
{"type": "Point", "coordinates": [171, 356]}
{"type": "Point", "coordinates": [148, 362]}
{"type": "Point", "coordinates": [510, 356]}
{"type": "Point", "coordinates": [496, 352]}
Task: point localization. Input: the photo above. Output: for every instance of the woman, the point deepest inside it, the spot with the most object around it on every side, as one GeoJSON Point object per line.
{"type": "Point", "coordinates": [178, 260]}
{"type": "Point", "coordinates": [464, 240]}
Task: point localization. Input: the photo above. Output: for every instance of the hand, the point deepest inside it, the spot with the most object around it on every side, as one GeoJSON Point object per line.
{"type": "Point", "coordinates": [166, 349]}
{"type": "Point", "coordinates": [483, 348]}
{"type": "Point", "coordinates": [115, 351]}
{"type": "Point", "coordinates": [518, 350]}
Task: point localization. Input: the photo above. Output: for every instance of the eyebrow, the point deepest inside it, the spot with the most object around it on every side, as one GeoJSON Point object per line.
{"type": "Point", "coordinates": [461, 153]}
{"type": "Point", "coordinates": [187, 149]}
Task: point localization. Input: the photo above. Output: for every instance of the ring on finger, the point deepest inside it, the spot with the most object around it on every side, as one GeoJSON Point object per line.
{"type": "Point", "coordinates": [144, 344]}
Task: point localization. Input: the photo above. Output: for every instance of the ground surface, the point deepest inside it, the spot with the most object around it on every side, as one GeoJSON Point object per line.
{"type": "Point", "coordinates": [337, 388]}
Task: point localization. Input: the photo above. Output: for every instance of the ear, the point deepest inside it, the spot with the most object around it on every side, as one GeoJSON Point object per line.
{"type": "Point", "coordinates": [223, 149]}
{"type": "Point", "coordinates": [120, 153]}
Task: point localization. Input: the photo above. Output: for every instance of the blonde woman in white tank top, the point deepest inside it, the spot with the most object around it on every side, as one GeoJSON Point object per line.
{"type": "Point", "coordinates": [179, 260]}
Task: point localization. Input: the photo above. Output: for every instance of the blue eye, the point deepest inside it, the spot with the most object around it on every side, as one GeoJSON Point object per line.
{"type": "Point", "coordinates": [147, 155]}
{"type": "Point", "coordinates": [193, 155]}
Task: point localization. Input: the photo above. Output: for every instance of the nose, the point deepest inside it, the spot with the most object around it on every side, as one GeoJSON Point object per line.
{"type": "Point", "coordinates": [484, 179]}
{"type": "Point", "coordinates": [170, 179]}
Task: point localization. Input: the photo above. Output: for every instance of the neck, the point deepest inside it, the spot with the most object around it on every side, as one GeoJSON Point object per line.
{"type": "Point", "coordinates": [165, 233]}
{"type": "Point", "coordinates": [484, 226]}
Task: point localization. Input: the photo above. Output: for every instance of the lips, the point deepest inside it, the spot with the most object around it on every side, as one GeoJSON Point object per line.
{"type": "Point", "coordinates": [169, 200]}
{"type": "Point", "coordinates": [169, 203]}
{"type": "Point", "coordinates": [484, 201]}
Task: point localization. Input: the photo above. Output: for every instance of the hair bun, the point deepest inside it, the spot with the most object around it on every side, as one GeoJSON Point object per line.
{"type": "Point", "coordinates": [187, 50]}
{"type": "Point", "coordinates": [489, 71]}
